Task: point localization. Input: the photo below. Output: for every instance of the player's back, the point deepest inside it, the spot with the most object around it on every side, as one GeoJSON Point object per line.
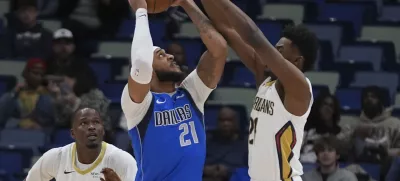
{"type": "Point", "coordinates": [275, 137]}
{"type": "Point", "coordinates": [169, 143]}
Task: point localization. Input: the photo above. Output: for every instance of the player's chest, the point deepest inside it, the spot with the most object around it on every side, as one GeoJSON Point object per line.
{"type": "Point", "coordinates": [73, 175]}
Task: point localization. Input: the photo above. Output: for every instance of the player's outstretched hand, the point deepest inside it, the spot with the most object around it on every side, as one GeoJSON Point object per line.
{"type": "Point", "coordinates": [136, 4]}
{"type": "Point", "coordinates": [180, 2]}
{"type": "Point", "coordinates": [109, 175]}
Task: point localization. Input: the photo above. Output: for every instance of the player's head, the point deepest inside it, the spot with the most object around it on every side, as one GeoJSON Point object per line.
{"type": "Point", "coordinates": [299, 45]}
{"type": "Point", "coordinates": [228, 123]}
{"type": "Point", "coordinates": [87, 127]}
{"type": "Point", "coordinates": [326, 149]}
{"type": "Point", "coordinates": [165, 67]}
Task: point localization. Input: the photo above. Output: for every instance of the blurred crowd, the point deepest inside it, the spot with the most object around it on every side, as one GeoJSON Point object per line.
{"type": "Point", "coordinates": [58, 78]}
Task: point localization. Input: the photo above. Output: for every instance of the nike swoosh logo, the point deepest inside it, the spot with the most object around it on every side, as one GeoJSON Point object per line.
{"type": "Point", "coordinates": [143, 15]}
{"type": "Point", "coordinates": [160, 102]}
{"type": "Point", "coordinates": [178, 97]}
{"type": "Point", "coordinates": [65, 172]}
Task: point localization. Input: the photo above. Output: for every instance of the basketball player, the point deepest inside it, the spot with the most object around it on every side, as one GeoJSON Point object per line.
{"type": "Point", "coordinates": [284, 99]}
{"type": "Point", "coordinates": [165, 122]}
{"type": "Point", "coordinates": [88, 158]}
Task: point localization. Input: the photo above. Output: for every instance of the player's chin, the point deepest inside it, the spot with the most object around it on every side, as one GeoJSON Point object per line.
{"type": "Point", "coordinates": [93, 143]}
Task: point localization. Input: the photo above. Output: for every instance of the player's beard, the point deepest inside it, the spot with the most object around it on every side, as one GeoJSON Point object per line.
{"type": "Point", "coordinates": [170, 76]}
{"type": "Point", "coordinates": [92, 145]}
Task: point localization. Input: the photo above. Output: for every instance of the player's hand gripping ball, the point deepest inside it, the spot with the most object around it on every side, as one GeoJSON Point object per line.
{"type": "Point", "coordinates": [158, 6]}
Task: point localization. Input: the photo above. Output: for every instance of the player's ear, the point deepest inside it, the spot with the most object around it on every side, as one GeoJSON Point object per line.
{"type": "Point", "coordinates": [72, 133]}
{"type": "Point", "coordinates": [299, 61]}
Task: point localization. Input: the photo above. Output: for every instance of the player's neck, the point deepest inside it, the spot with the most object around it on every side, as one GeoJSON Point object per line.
{"type": "Point", "coordinates": [163, 87]}
{"type": "Point", "coordinates": [87, 155]}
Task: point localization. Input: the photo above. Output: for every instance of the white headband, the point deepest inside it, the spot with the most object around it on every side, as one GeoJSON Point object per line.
{"type": "Point", "coordinates": [155, 48]}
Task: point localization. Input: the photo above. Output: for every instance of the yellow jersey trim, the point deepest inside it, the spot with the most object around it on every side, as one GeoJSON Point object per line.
{"type": "Point", "coordinates": [94, 165]}
{"type": "Point", "coordinates": [270, 83]}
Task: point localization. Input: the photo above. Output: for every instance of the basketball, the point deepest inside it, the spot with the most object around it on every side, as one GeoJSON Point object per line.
{"type": "Point", "coordinates": [158, 6]}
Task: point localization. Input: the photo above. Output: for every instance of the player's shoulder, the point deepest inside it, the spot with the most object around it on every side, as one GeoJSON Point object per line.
{"type": "Point", "coordinates": [57, 152]}
{"type": "Point", "coordinates": [118, 155]}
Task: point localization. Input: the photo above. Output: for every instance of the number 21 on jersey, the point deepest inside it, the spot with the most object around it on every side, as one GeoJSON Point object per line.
{"type": "Point", "coordinates": [187, 128]}
{"type": "Point", "coordinates": [253, 130]}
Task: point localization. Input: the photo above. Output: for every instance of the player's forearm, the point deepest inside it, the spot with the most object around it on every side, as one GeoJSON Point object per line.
{"type": "Point", "coordinates": [142, 49]}
{"type": "Point", "coordinates": [213, 40]}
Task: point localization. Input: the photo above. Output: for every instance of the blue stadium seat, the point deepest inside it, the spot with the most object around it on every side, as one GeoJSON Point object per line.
{"type": "Point", "coordinates": [102, 71]}
{"type": "Point", "coordinates": [113, 91]}
{"type": "Point", "coordinates": [349, 12]}
{"type": "Point", "coordinates": [62, 137]}
{"type": "Point", "coordinates": [122, 140]}
{"type": "Point", "coordinates": [272, 29]}
{"type": "Point", "coordinates": [8, 157]}
{"type": "Point", "coordinates": [386, 80]}
{"type": "Point", "coordinates": [240, 174]}
{"type": "Point", "coordinates": [371, 54]}
{"type": "Point", "coordinates": [331, 32]}
{"type": "Point", "coordinates": [349, 99]}
{"type": "Point", "coordinates": [1, 25]}
{"type": "Point", "coordinates": [22, 138]}
{"type": "Point", "coordinates": [348, 68]}
{"type": "Point", "coordinates": [390, 13]}
{"type": "Point", "coordinates": [242, 76]}
{"type": "Point", "coordinates": [3, 88]}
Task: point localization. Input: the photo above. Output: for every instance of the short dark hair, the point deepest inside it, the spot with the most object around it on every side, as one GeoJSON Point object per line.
{"type": "Point", "coordinates": [326, 142]}
{"type": "Point", "coordinates": [306, 41]}
{"type": "Point", "coordinates": [82, 106]}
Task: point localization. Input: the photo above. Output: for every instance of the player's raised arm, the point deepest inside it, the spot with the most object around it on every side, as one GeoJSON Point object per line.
{"type": "Point", "coordinates": [296, 88]}
{"type": "Point", "coordinates": [141, 54]}
{"type": "Point", "coordinates": [212, 62]}
{"type": "Point", "coordinates": [246, 53]}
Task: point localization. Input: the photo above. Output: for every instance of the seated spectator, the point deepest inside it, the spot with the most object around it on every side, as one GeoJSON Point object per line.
{"type": "Point", "coordinates": [78, 87]}
{"type": "Point", "coordinates": [24, 36]}
{"type": "Point", "coordinates": [225, 148]}
{"type": "Point", "coordinates": [323, 121]}
{"type": "Point", "coordinates": [63, 55]}
{"type": "Point", "coordinates": [29, 106]}
{"type": "Point", "coordinates": [394, 172]}
{"type": "Point", "coordinates": [377, 132]}
{"type": "Point", "coordinates": [328, 169]}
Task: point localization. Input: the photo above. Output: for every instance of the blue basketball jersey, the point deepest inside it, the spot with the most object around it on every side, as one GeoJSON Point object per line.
{"type": "Point", "coordinates": [170, 142]}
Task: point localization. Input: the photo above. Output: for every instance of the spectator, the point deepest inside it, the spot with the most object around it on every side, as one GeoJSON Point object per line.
{"type": "Point", "coordinates": [63, 54]}
{"type": "Point", "coordinates": [225, 149]}
{"type": "Point", "coordinates": [323, 121]}
{"type": "Point", "coordinates": [327, 156]}
{"type": "Point", "coordinates": [377, 132]}
{"type": "Point", "coordinates": [24, 37]}
{"type": "Point", "coordinates": [394, 172]}
{"type": "Point", "coordinates": [29, 106]}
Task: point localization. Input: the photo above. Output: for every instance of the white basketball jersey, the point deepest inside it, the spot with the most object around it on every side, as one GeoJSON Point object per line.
{"type": "Point", "coordinates": [275, 137]}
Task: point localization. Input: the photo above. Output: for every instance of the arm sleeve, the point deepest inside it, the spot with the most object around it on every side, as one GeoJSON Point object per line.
{"type": "Point", "coordinates": [142, 49]}
{"type": "Point", "coordinates": [124, 165]}
{"type": "Point", "coordinates": [134, 112]}
{"type": "Point", "coordinates": [46, 167]}
{"type": "Point", "coordinates": [197, 89]}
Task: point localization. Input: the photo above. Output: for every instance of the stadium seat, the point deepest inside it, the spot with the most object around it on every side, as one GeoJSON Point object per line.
{"type": "Point", "coordinates": [102, 71]}
{"type": "Point", "coordinates": [294, 12]}
{"type": "Point", "coordinates": [349, 99]}
{"type": "Point", "coordinates": [387, 80]}
{"type": "Point", "coordinates": [382, 33]}
{"type": "Point", "coordinates": [240, 174]}
{"type": "Point", "coordinates": [12, 68]}
{"type": "Point", "coordinates": [114, 49]}
{"type": "Point", "coordinates": [10, 162]}
{"type": "Point", "coordinates": [113, 91]}
{"type": "Point", "coordinates": [232, 54]}
{"type": "Point", "coordinates": [242, 76]}
{"type": "Point", "coordinates": [52, 25]}
{"type": "Point", "coordinates": [328, 31]}
{"type": "Point", "coordinates": [4, 7]}
{"type": "Point", "coordinates": [348, 68]}
{"type": "Point", "coordinates": [390, 13]}
{"type": "Point", "coordinates": [188, 30]}
{"type": "Point", "coordinates": [22, 138]}
{"type": "Point", "coordinates": [241, 95]}
{"type": "Point", "coordinates": [329, 79]}
{"type": "Point", "coordinates": [127, 29]}
{"type": "Point", "coordinates": [272, 29]}
{"type": "Point", "coordinates": [373, 55]}
{"type": "Point", "coordinates": [62, 137]}
{"type": "Point", "coordinates": [122, 140]}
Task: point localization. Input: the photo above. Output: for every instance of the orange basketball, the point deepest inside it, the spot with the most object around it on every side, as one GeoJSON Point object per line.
{"type": "Point", "coordinates": [158, 6]}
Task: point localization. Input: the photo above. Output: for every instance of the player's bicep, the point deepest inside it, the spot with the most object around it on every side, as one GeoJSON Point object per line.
{"type": "Point", "coordinates": [134, 112]}
{"type": "Point", "coordinates": [210, 69]}
{"type": "Point", "coordinates": [197, 89]}
{"type": "Point", "coordinates": [46, 167]}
